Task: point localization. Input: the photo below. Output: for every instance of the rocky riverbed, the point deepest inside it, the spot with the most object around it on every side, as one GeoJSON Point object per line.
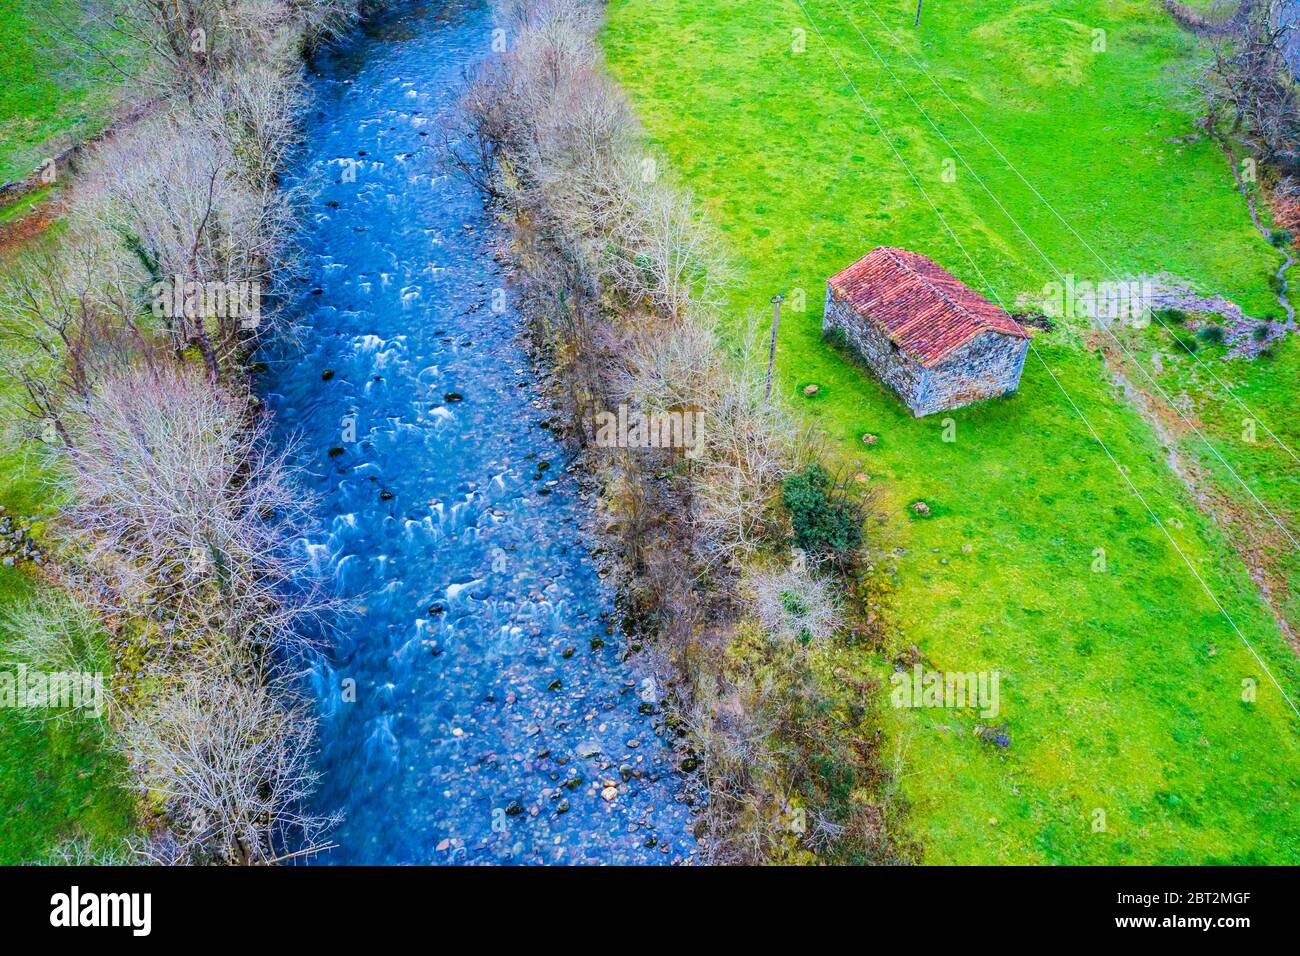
{"type": "Point", "coordinates": [476, 706]}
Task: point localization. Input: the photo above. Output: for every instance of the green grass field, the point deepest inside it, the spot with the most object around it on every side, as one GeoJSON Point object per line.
{"type": "Point", "coordinates": [57, 778]}
{"type": "Point", "coordinates": [1249, 442]}
{"type": "Point", "coordinates": [48, 99]}
{"type": "Point", "coordinates": [1121, 689]}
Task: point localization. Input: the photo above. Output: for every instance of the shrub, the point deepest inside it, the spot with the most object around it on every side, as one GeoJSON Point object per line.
{"type": "Point", "coordinates": [1212, 334]}
{"type": "Point", "coordinates": [1280, 237]}
{"type": "Point", "coordinates": [826, 523]}
{"type": "Point", "coordinates": [51, 633]}
{"type": "Point", "coordinates": [795, 605]}
{"type": "Point", "coordinates": [232, 759]}
{"type": "Point", "coordinates": [1171, 316]}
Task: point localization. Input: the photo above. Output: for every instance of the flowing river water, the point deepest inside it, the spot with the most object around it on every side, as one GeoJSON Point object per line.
{"type": "Point", "coordinates": [494, 718]}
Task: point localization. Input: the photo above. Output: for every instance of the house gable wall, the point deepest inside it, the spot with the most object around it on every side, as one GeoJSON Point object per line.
{"type": "Point", "coordinates": [895, 368]}
{"type": "Point", "coordinates": [987, 366]}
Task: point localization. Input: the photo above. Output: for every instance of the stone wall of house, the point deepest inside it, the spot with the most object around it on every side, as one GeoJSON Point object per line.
{"type": "Point", "coordinates": [987, 366]}
{"type": "Point", "coordinates": [895, 368]}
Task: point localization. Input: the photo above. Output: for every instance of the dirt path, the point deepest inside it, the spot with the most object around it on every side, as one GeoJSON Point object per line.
{"type": "Point", "coordinates": [1253, 538]}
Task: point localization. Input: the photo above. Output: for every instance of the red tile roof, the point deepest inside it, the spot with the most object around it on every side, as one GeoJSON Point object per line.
{"type": "Point", "coordinates": [923, 309]}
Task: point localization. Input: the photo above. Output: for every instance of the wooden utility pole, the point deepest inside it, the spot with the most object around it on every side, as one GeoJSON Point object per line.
{"type": "Point", "coordinates": [771, 352]}
{"type": "Point", "coordinates": [918, 13]}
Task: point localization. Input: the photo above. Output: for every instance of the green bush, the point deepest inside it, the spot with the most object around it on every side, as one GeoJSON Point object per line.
{"type": "Point", "coordinates": [1212, 334]}
{"type": "Point", "coordinates": [826, 523]}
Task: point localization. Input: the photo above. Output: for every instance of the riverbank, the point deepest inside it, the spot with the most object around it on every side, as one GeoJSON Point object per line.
{"type": "Point", "coordinates": [168, 511]}
{"type": "Point", "coordinates": [620, 278]}
{"type": "Point", "coordinates": [1121, 689]}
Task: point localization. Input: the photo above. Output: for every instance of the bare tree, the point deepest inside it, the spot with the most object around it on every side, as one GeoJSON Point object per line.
{"type": "Point", "coordinates": [174, 190]}
{"type": "Point", "coordinates": [1247, 90]}
{"type": "Point", "coordinates": [231, 758]}
{"type": "Point", "coordinates": [186, 40]}
{"type": "Point", "coordinates": [183, 508]}
{"type": "Point", "coordinates": [255, 108]}
{"type": "Point", "coordinates": [66, 318]}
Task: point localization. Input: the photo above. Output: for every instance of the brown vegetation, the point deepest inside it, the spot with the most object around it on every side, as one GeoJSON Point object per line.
{"type": "Point", "coordinates": [624, 281]}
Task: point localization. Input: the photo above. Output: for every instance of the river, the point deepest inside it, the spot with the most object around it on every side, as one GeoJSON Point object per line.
{"type": "Point", "coordinates": [476, 707]}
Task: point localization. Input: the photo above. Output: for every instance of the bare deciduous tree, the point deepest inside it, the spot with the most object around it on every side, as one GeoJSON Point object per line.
{"type": "Point", "coordinates": [1247, 89]}
{"type": "Point", "coordinates": [232, 760]}
{"type": "Point", "coordinates": [184, 41]}
{"type": "Point", "coordinates": [182, 507]}
{"type": "Point", "coordinates": [175, 191]}
{"type": "Point", "coordinates": [66, 318]}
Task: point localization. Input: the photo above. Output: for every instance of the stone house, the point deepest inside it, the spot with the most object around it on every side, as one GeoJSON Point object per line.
{"type": "Point", "coordinates": [933, 340]}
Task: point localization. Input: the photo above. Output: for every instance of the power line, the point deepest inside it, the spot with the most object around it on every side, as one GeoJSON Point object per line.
{"type": "Point", "coordinates": [1042, 255]}
{"type": "Point", "coordinates": [935, 83]}
{"type": "Point", "coordinates": [1154, 517]}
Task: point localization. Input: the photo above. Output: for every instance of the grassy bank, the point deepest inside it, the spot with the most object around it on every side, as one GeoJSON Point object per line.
{"type": "Point", "coordinates": [1121, 689]}
{"type": "Point", "coordinates": [58, 779]}
{"type": "Point", "coordinates": [213, 730]}
{"type": "Point", "coordinates": [1238, 441]}
{"type": "Point", "coordinates": [48, 98]}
